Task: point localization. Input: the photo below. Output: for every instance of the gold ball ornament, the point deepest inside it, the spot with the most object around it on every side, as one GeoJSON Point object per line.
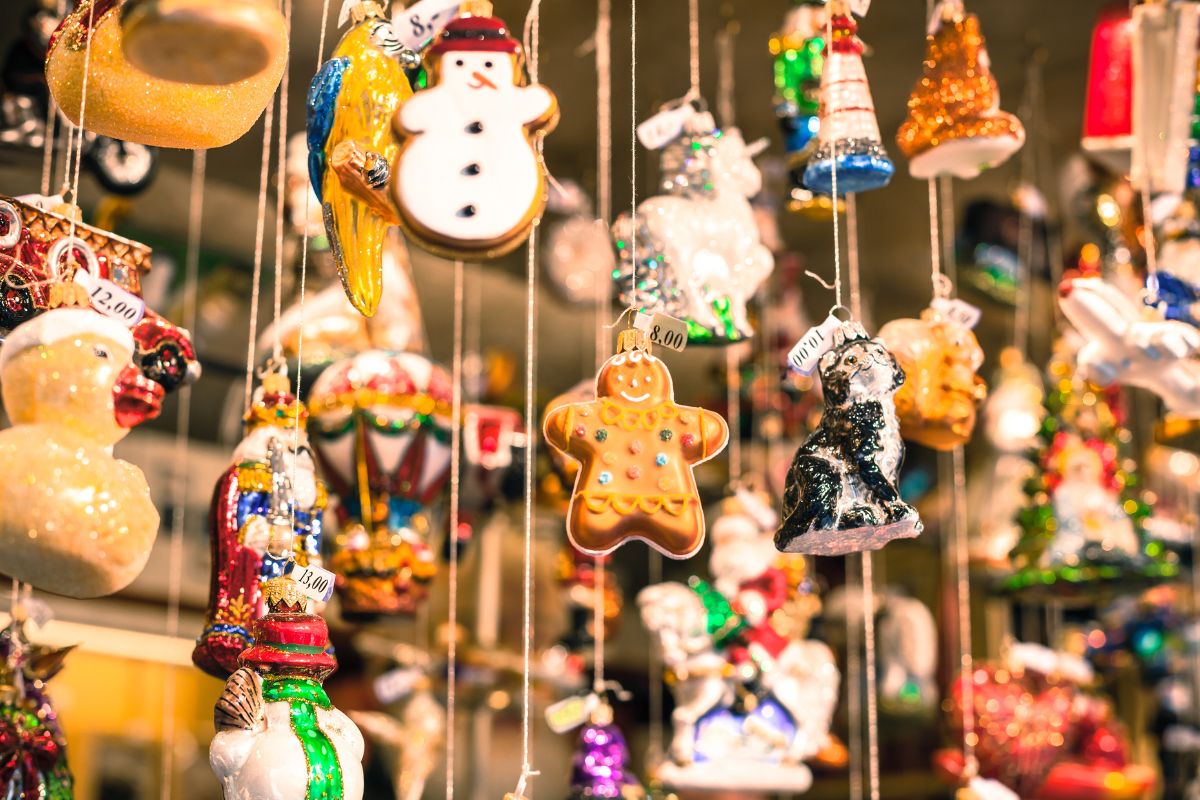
{"type": "Point", "coordinates": [954, 124]}
{"type": "Point", "coordinates": [73, 519]}
{"type": "Point", "coordinates": [124, 102]}
{"type": "Point", "coordinates": [210, 42]}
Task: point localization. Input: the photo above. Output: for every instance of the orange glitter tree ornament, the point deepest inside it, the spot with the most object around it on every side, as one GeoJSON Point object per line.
{"type": "Point", "coordinates": [955, 125]}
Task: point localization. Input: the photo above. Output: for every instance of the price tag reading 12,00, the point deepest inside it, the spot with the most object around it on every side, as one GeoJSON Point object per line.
{"type": "Point", "coordinates": [315, 582]}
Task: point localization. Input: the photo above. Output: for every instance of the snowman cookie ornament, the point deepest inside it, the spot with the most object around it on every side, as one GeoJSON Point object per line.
{"type": "Point", "coordinates": [636, 450]}
{"type": "Point", "coordinates": [470, 182]}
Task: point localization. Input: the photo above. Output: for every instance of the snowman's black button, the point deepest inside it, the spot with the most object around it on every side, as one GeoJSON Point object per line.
{"type": "Point", "coordinates": [466, 211]}
{"type": "Point", "coordinates": [472, 169]}
{"type": "Point", "coordinates": [475, 127]}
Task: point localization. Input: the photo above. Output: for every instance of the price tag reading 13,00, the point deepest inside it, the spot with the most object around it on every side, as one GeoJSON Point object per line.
{"type": "Point", "coordinates": [315, 582]}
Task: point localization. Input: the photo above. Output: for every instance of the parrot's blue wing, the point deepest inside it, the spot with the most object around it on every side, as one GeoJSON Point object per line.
{"type": "Point", "coordinates": [322, 104]}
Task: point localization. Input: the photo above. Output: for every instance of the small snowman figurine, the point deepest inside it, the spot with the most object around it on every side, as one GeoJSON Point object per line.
{"type": "Point", "coordinates": [469, 181]}
{"type": "Point", "coordinates": [73, 519]}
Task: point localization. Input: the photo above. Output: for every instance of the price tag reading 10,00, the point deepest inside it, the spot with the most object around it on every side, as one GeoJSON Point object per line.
{"type": "Point", "coordinates": [315, 582]}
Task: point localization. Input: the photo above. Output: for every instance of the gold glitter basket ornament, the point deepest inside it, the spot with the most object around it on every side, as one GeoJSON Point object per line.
{"type": "Point", "coordinates": [955, 125]}
{"type": "Point", "coordinates": [73, 519]}
{"type": "Point", "coordinates": [211, 42]}
{"type": "Point", "coordinates": [937, 403]}
{"type": "Point", "coordinates": [125, 103]}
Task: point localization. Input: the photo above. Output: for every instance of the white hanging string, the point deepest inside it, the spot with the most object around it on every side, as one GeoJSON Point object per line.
{"type": "Point", "coordinates": [281, 197]}
{"type": "Point", "coordinates": [456, 402]}
{"type": "Point", "coordinates": [726, 41]}
{"type": "Point", "coordinates": [633, 142]}
{"type": "Point", "coordinates": [694, 49]}
{"type": "Point", "coordinates": [937, 278]}
{"type": "Point", "coordinates": [963, 574]}
{"type": "Point", "coordinates": [833, 189]}
{"type": "Point", "coordinates": [853, 571]}
{"type": "Point", "coordinates": [260, 224]}
{"type": "Point", "coordinates": [180, 474]}
{"type": "Point", "coordinates": [868, 596]}
{"type": "Point", "coordinates": [77, 151]}
{"type": "Point", "coordinates": [657, 733]}
{"type": "Point", "coordinates": [532, 43]}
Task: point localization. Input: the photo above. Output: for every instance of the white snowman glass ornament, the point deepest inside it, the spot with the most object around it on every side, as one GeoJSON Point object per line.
{"type": "Point", "coordinates": [1129, 344]}
{"type": "Point", "coordinates": [470, 182]}
{"type": "Point", "coordinates": [278, 736]}
{"type": "Point", "coordinates": [74, 520]}
{"type": "Point", "coordinates": [841, 493]}
{"type": "Point", "coordinates": [848, 139]}
{"type": "Point", "coordinates": [696, 252]}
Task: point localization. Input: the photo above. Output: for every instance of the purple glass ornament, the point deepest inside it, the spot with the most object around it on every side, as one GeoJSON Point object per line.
{"type": "Point", "coordinates": [600, 767]}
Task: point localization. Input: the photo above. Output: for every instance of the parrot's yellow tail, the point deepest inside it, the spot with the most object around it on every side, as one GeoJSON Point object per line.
{"type": "Point", "coordinates": [350, 221]}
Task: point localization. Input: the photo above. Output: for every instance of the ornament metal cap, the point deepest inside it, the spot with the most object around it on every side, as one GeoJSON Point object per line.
{"type": "Point", "coordinates": [633, 339]}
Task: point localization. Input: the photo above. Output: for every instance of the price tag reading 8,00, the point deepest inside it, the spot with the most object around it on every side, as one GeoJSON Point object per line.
{"type": "Point", "coordinates": [663, 330]}
{"type": "Point", "coordinates": [315, 582]}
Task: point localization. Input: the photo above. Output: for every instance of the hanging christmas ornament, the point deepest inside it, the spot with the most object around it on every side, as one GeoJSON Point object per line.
{"type": "Point", "coordinates": [1014, 413]}
{"type": "Point", "coordinates": [1174, 287]}
{"type": "Point", "coordinates": [381, 429]}
{"type": "Point", "coordinates": [954, 124]}
{"type": "Point", "coordinates": [849, 132]}
{"type": "Point", "coordinates": [209, 42]}
{"type": "Point", "coordinates": [1164, 94]}
{"type": "Point", "coordinates": [1108, 101]}
{"type": "Point", "coordinates": [42, 243]}
{"type": "Point", "coordinates": [600, 768]}
{"type": "Point", "coordinates": [578, 257]}
{"type": "Point", "coordinates": [73, 519]}
{"type": "Point", "coordinates": [940, 358]}
{"type": "Point", "coordinates": [696, 253]}
{"type": "Point", "coordinates": [266, 514]}
{"type": "Point", "coordinates": [577, 575]}
{"type": "Point", "coordinates": [754, 698]}
{"type": "Point", "coordinates": [1039, 734]}
{"type": "Point", "coordinates": [351, 147]}
{"type": "Point", "coordinates": [126, 103]}
{"type": "Point", "coordinates": [470, 182]}
{"type": "Point", "coordinates": [33, 749]}
{"type": "Point", "coordinates": [278, 736]}
{"type": "Point", "coordinates": [841, 494]}
{"type": "Point", "coordinates": [122, 168]}
{"type": "Point", "coordinates": [636, 449]}
{"type": "Point", "coordinates": [1131, 345]}
{"type": "Point", "coordinates": [1082, 525]}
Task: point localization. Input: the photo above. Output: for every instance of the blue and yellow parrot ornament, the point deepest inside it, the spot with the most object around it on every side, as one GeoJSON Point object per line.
{"type": "Point", "coordinates": [351, 102]}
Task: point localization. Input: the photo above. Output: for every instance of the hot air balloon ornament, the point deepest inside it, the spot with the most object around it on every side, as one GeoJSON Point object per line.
{"type": "Point", "coordinates": [848, 140]}
{"type": "Point", "coordinates": [351, 102]}
{"type": "Point", "coordinates": [955, 125]}
{"type": "Point", "coordinates": [380, 427]}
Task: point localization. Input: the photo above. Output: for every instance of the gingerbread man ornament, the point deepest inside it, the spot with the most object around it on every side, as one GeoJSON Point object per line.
{"type": "Point", "coordinates": [636, 449]}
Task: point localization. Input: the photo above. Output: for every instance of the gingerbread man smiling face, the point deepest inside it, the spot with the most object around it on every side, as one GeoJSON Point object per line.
{"type": "Point", "coordinates": [636, 449]}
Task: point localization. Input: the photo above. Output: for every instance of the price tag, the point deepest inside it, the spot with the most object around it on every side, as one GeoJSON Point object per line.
{"type": "Point", "coordinates": [860, 7]}
{"type": "Point", "coordinates": [315, 582]}
{"type": "Point", "coordinates": [417, 26]}
{"type": "Point", "coordinates": [664, 127]}
{"type": "Point", "coordinates": [397, 683]}
{"type": "Point", "coordinates": [664, 331]}
{"type": "Point", "coordinates": [566, 715]}
{"type": "Point", "coordinates": [808, 351]}
{"type": "Point", "coordinates": [957, 310]}
{"type": "Point", "coordinates": [111, 300]}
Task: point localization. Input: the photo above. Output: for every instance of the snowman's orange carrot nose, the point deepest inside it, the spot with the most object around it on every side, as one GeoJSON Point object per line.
{"type": "Point", "coordinates": [481, 81]}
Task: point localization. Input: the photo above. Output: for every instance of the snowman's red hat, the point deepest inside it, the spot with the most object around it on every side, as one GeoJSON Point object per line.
{"type": "Point", "coordinates": [476, 35]}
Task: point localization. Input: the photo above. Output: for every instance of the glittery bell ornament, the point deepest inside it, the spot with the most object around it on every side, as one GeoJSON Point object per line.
{"type": "Point", "coordinates": [74, 520]}
{"type": "Point", "coordinates": [1108, 99]}
{"type": "Point", "coordinates": [940, 358]}
{"type": "Point", "coordinates": [696, 253]}
{"type": "Point", "coordinates": [600, 767]}
{"type": "Point", "coordinates": [278, 736]}
{"type": "Point", "coordinates": [841, 494]}
{"type": "Point", "coordinates": [211, 42]}
{"type": "Point", "coordinates": [380, 427]}
{"type": "Point", "coordinates": [266, 514]}
{"type": "Point", "coordinates": [33, 749]}
{"type": "Point", "coordinates": [849, 133]}
{"type": "Point", "coordinates": [126, 103]}
{"type": "Point", "coordinates": [954, 124]}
